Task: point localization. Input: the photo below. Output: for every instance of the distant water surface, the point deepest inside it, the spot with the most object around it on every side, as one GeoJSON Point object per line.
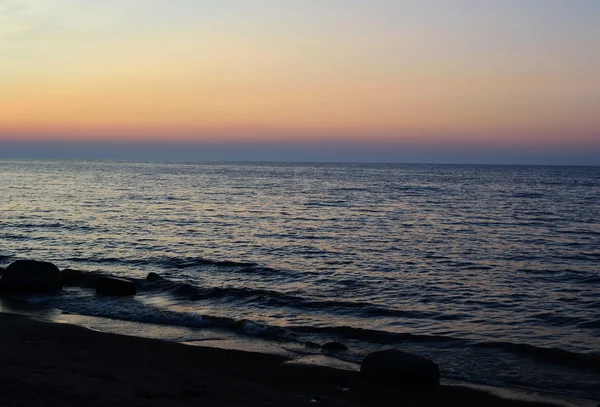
{"type": "Point", "coordinates": [492, 271]}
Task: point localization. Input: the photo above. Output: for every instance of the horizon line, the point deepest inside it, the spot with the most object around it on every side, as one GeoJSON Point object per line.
{"type": "Point", "coordinates": [373, 163]}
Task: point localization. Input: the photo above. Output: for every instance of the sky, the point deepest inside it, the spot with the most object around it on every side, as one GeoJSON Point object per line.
{"type": "Point", "coordinates": [511, 81]}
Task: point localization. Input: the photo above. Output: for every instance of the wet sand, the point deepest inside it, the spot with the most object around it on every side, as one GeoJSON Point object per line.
{"type": "Point", "coordinates": [49, 364]}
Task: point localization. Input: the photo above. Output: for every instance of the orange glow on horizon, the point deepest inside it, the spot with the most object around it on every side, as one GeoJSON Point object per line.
{"type": "Point", "coordinates": [303, 74]}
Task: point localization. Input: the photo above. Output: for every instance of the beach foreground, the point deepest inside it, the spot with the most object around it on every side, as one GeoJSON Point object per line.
{"type": "Point", "coordinates": [48, 364]}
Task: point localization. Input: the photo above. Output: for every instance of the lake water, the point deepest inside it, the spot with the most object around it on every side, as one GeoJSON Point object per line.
{"type": "Point", "coordinates": [491, 271]}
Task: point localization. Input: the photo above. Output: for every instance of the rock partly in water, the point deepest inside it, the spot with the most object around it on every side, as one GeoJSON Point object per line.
{"type": "Point", "coordinates": [79, 278]}
{"type": "Point", "coordinates": [174, 288]}
{"type": "Point", "coordinates": [334, 347]}
{"type": "Point", "coordinates": [113, 286]}
{"type": "Point", "coordinates": [154, 277]}
{"type": "Point", "coordinates": [399, 368]}
{"type": "Point", "coordinates": [30, 277]}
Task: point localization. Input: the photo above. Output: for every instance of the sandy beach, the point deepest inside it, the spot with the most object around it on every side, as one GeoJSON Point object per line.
{"type": "Point", "coordinates": [48, 364]}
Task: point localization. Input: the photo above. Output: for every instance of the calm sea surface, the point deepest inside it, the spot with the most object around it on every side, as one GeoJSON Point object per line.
{"type": "Point", "coordinates": [492, 271]}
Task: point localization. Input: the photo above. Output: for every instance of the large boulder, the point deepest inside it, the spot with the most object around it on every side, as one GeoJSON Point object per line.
{"type": "Point", "coordinates": [30, 277]}
{"type": "Point", "coordinates": [114, 286]}
{"type": "Point", "coordinates": [399, 368]}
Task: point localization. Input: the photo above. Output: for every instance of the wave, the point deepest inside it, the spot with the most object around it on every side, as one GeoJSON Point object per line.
{"type": "Point", "coordinates": [190, 262]}
{"type": "Point", "coordinates": [279, 299]}
{"type": "Point", "coordinates": [585, 232]}
{"type": "Point", "coordinates": [56, 225]}
{"type": "Point", "coordinates": [590, 324]}
{"type": "Point", "coordinates": [40, 225]}
{"type": "Point", "coordinates": [130, 309]}
{"type": "Point", "coordinates": [528, 195]}
{"type": "Point", "coordinates": [374, 336]}
{"type": "Point", "coordinates": [327, 204]}
{"type": "Point", "coordinates": [548, 355]}
{"type": "Point", "coordinates": [555, 356]}
{"type": "Point", "coordinates": [168, 262]}
{"type": "Point", "coordinates": [565, 275]}
{"type": "Point", "coordinates": [157, 284]}
{"type": "Point", "coordinates": [11, 236]}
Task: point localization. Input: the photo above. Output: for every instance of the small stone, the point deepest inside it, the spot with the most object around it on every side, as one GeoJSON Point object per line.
{"type": "Point", "coordinates": [154, 277]}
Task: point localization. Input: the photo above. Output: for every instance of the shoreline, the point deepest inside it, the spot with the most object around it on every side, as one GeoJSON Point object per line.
{"type": "Point", "coordinates": [45, 363]}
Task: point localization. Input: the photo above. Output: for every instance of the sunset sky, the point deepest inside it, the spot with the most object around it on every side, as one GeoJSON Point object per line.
{"type": "Point", "coordinates": [378, 80]}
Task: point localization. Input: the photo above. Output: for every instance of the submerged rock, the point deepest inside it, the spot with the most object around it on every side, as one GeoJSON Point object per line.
{"type": "Point", "coordinates": [113, 286]}
{"type": "Point", "coordinates": [30, 277]}
{"type": "Point", "coordinates": [399, 368]}
{"type": "Point", "coordinates": [334, 347]}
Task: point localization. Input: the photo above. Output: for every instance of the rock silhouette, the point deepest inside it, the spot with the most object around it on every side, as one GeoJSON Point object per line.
{"type": "Point", "coordinates": [30, 277]}
{"type": "Point", "coordinates": [113, 286]}
{"type": "Point", "coordinates": [399, 368]}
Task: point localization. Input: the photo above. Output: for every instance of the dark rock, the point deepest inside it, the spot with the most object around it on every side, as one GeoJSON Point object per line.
{"type": "Point", "coordinates": [71, 277]}
{"type": "Point", "coordinates": [79, 278]}
{"type": "Point", "coordinates": [153, 277]}
{"type": "Point", "coordinates": [174, 288]}
{"type": "Point", "coordinates": [399, 368]}
{"type": "Point", "coordinates": [113, 286]}
{"type": "Point", "coordinates": [186, 290]}
{"type": "Point", "coordinates": [312, 345]}
{"type": "Point", "coordinates": [1, 270]}
{"type": "Point", "coordinates": [30, 277]}
{"type": "Point", "coordinates": [334, 347]}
